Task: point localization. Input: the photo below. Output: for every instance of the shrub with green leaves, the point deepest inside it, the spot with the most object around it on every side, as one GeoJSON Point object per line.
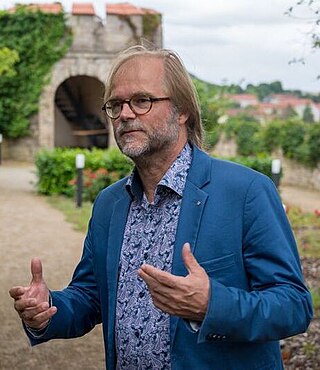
{"type": "Point", "coordinates": [56, 168]}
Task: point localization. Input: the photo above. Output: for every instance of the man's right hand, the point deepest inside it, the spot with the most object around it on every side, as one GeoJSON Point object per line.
{"type": "Point", "coordinates": [32, 302]}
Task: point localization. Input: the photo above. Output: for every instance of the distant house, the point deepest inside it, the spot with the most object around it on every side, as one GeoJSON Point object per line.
{"type": "Point", "coordinates": [244, 100]}
{"type": "Point", "coordinates": [275, 105]}
{"type": "Point", "coordinates": [283, 101]}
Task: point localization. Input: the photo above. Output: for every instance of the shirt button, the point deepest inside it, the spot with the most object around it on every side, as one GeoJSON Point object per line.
{"type": "Point", "coordinates": [141, 294]}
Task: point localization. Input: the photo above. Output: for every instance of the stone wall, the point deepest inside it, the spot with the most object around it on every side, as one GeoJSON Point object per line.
{"type": "Point", "coordinates": [294, 173]}
{"type": "Point", "coordinates": [25, 148]}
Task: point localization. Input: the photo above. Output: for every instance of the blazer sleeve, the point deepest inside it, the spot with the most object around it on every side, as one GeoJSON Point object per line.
{"type": "Point", "coordinates": [78, 304]}
{"type": "Point", "coordinates": [277, 303]}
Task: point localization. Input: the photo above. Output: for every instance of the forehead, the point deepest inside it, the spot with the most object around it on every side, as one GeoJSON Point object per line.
{"type": "Point", "coordinates": [139, 74]}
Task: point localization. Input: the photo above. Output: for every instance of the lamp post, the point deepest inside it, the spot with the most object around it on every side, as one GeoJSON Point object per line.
{"type": "Point", "coordinates": [275, 171]}
{"type": "Point", "coordinates": [0, 148]}
{"type": "Point", "coordinates": [80, 161]}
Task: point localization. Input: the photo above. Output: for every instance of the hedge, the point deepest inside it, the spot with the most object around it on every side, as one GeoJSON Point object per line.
{"type": "Point", "coordinates": [56, 170]}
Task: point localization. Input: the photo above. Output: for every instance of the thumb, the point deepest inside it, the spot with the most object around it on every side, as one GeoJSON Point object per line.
{"type": "Point", "coordinates": [189, 260]}
{"type": "Point", "coordinates": [36, 270]}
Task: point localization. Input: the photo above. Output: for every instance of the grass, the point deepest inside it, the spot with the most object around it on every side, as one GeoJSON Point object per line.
{"type": "Point", "coordinates": [306, 227]}
{"type": "Point", "coordinates": [79, 217]}
{"type": "Point", "coordinates": [315, 292]}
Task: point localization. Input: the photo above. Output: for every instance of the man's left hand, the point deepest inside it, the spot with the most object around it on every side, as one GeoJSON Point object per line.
{"type": "Point", "coordinates": [187, 296]}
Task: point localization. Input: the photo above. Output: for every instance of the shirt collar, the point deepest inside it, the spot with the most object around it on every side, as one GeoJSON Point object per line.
{"type": "Point", "coordinates": [174, 178]}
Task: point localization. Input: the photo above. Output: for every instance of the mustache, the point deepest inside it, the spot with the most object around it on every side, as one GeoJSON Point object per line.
{"type": "Point", "coordinates": [126, 126]}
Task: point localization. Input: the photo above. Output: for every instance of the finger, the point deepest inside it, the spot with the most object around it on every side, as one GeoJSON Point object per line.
{"type": "Point", "coordinates": [22, 304]}
{"type": "Point", "coordinates": [156, 290]}
{"type": "Point", "coordinates": [189, 260]}
{"type": "Point", "coordinates": [161, 277]}
{"type": "Point", "coordinates": [31, 312]}
{"type": "Point", "coordinates": [36, 270]}
{"type": "Point", "coordinates": [41, 320]}
{"type": "Point", "coordinates": [149, 280]}
{"type": "Point", "coordinates": [17, 292]}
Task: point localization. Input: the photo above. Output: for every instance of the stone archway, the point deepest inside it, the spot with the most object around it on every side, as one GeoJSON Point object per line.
{"type": "Point", "coordinates": [78, 119]}
{"type": "Point", "coordinates": [83, 76]}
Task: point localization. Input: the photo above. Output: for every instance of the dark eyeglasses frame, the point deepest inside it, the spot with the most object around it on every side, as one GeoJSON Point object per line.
{"type": "Point", "coordinates": [128, 101]}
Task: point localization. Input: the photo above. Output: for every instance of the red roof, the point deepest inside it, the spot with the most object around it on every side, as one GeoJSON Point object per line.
{"type": "Point", "coordinates": [46, 8]}
{"type": "Point", "coordinates": [243, 97]}
{"type": "Point", "coordinates": [83, 9]}
{"type": "Point", "coordinates": [128, 9]}
{"type": "Point", "coordinates": [88, 9]}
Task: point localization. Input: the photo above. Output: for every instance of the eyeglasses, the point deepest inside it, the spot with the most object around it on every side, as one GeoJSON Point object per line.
{"type": "Point", "coordinates": [139, 104]}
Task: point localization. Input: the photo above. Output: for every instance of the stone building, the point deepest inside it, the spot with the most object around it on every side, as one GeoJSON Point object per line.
{"type": "Point", "coordinates": [69, 112]}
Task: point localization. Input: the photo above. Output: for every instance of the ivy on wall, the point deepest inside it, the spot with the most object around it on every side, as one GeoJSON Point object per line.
{"type": "Point", "coordinates": [150, 24]}
{"type": "Point", "coordinates": [36, 41]}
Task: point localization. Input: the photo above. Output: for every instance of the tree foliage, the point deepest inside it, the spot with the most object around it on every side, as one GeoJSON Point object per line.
{"type": "Point", "coordinates": [33, 41]}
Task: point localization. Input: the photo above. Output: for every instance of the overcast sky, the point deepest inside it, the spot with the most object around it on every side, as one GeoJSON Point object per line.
{"type": "Point", "coordinates": [234, 41]}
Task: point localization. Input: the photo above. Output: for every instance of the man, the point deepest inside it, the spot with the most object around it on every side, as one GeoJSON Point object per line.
{"type": "Point", "coordinates": [189, 263]}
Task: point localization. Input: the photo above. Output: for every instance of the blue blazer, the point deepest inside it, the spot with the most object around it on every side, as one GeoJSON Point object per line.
{"type": "Point", "coordinates": [234, 220]}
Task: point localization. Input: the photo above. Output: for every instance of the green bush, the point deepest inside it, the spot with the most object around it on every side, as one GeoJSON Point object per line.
{"type": "Point", "coordinates": [56, 168]}
{"type": "Point", "coordinates": [292, 137]}
{"type": "Point", "coordinates": [313, 144]}
{"type": "Point", "coordinates": [271, 136]}
{"type": "Point", "coordinates": [298, 141]}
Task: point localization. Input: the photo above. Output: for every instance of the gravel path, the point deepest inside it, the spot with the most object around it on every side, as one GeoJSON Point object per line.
{"type": "Point", "coordinates": [30, 227]}
{"type": "Point", "coordinates": [307, 200]}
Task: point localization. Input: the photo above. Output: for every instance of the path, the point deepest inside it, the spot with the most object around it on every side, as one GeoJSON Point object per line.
{"type": "Point", "coordinates": [30, 227]}
{"type": "Point", "coordinates": [307, 200]}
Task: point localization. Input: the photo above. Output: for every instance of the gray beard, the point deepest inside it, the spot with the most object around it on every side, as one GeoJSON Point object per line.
{"type": "Point", "coordinates": [153, 143]}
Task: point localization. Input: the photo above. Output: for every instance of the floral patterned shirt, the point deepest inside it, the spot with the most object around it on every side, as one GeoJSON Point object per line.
{"type": "Point", "coordinates": [142, 331]}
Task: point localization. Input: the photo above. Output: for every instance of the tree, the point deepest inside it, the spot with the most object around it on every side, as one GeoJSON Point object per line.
{"type": "Point", "coordinates": [307, 114]}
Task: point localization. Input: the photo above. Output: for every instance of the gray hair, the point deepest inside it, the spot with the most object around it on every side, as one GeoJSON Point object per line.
{"type": "Point", "coordinates": [178, 83]}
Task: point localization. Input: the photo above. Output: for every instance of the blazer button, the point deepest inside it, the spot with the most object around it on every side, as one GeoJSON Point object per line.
{"type": "Point", "coordinates": [211, 336]}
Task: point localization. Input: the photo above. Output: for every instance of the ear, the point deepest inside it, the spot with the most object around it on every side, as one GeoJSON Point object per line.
{"type": "Point", "coordinates": [183, 118]}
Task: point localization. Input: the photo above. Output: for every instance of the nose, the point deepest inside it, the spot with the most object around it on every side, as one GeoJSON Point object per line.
{"type": "Point", "coordinates": [126, 112]}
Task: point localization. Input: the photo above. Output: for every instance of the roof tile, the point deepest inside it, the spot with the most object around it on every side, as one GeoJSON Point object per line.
{"type": "Point", "coordinates": [46, 8]}
{"type": "Point", "coordinates": [82, 9]}
{"type": "Point", "coordinates": [127, 9]}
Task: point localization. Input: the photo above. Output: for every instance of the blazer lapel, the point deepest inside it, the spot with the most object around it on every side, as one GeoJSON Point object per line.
{"type": "Point", "coordinates": [193, 203]}
{"type": "Point", "coordinates": [116, 232]}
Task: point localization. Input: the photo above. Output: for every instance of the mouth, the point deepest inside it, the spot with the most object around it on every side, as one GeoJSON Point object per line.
{"type": "Point", "coordinates": [128, 132]}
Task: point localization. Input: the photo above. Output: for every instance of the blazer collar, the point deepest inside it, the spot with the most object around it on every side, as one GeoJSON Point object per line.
{"type": "Point", "coordinates": [200, 170]}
